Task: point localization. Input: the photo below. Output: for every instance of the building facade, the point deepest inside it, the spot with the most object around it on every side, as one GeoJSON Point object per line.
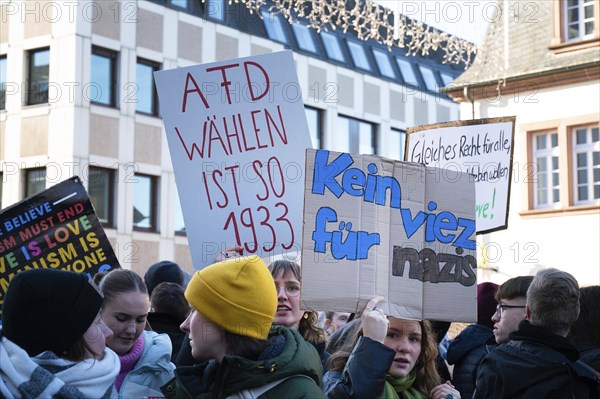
{"type": "Point", "coordinates": [541, 62]}
{"type": "Point", "coordinates": [77, 98]}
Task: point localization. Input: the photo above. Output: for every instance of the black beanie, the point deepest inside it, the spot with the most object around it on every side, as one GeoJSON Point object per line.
{"type": "Point", "coordinates": [163, 271]}
{"type": "Point", "coordinates": [47, 309]}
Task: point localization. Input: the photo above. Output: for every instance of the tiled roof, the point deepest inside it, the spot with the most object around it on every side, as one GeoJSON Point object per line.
{"type": "Point", "coordinates": [525, 50]}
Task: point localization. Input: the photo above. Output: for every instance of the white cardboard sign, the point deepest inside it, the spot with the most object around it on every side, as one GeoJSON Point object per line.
{"type": "Point", "coordinates": [375, 226]}
{"type": "Point", "coordinates": [482, 147]}
{"type": "Point", "coordinates": [237, 133]}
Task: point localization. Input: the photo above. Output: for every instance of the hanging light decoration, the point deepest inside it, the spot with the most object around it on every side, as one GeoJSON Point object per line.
{"type": "Point", "coordinates": [370, 21]}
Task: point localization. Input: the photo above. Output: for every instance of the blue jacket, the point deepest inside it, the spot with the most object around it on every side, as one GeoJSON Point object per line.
{"type": "Point", "coordinates": [152, 370]}
{"type": "Point", "coordinates": [465, 352]}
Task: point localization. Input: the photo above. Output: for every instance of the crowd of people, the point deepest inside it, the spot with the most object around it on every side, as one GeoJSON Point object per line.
{"type": "Point", "coordinates": [236, 329]}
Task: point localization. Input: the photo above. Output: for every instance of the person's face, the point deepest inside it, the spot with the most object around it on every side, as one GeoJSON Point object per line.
{"type": "Point", "coordinates": [510, 319]}
{"type": "Point", "coordinates": [207, 340]}
{"type": "Point", "coordinates": [403, 336]}
{"type": "Point", "coordinates": [95, 338]}
{"type": "Point", "coordinates": [288, 300]}
{"type": "Point", "coordinates": [338, 320]}
{"type": "Point", "coordinates": [126, 316]}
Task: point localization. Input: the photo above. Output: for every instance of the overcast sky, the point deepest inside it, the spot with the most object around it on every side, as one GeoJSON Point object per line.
{"type": "Point", "coordinates": [467, 19]}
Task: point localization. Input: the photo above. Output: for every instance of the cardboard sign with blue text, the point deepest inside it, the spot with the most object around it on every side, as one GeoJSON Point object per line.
{"type": "Point", "coordinates": [55, 229]}
{"type": "Point", "coordinates": [375, 226]}
{"type": "Point", "coordinates": [482, 147]}
{"type": "Point", "coordinates": [237, 133]}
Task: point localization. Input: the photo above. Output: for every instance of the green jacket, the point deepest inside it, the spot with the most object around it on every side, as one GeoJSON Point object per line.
{"type": "Point", "coordinates": [287, 355]}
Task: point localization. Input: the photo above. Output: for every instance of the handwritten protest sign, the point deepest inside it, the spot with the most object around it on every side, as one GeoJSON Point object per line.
{"type": "Point", "coordinates": [482, 147]}
{"type": "Point", "coordinates": [55, 229]}
{"type": "Point", "coordinates": [378, 226]}
{"type": "Point", "coordinates": [237, 133]}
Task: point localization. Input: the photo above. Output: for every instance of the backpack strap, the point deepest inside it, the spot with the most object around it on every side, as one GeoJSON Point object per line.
{"type": "Point", "coordinates": [256, 392]}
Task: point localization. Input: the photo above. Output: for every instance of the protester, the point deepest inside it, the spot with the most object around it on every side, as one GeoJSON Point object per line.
{"type": "Point", "coordinates": [168, 309]}
{"type": "Point", "coordinates": [233, 304]}
{"type": "Point", "coordinates": [538, 361]}
{"type": "Point", "coordinates": [144, 355]}
{"type": "Point", "coordinates": [388, 358]}
{"type": "Point", "coordinates": [286, 275]}
{"type": "Point", "coordinates": [585, 332]}
{"type": "Point", "coordinates": [53, 339]}
{"type": "Point", "coordinates": [164, 271]}
{"type": "Point", "coordinates": [511, 297]}
{"type": "Point", "coordinates": [335, 320]}
{"type": "Point", "coordinates": [468, 348]}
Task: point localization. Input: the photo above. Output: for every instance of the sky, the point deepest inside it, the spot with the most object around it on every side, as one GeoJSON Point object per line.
{"type": "Point", "coordinates": [467, 19]}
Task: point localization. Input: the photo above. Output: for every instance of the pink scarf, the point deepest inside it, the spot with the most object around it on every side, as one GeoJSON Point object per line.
{"type": "Point", "coordinates": [129, 360]}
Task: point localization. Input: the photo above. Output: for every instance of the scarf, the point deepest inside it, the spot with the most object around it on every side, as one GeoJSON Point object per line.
{"type": "Point", "coordinates": [129, 360]}
{"type": "Point", "coordinates": [47, 375]}
{"type": "Point", "coordinates": [397, 388]}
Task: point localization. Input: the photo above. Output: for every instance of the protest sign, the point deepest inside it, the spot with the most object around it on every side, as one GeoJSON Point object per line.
{"type": "Point", "coordinates": [481, 147]}
{"type": "Point", "coordinates": [375, 226]}
{"type": "Point", "coordinates": [55, 229]}
{"type": "Point", "coordinates": [237, 133]}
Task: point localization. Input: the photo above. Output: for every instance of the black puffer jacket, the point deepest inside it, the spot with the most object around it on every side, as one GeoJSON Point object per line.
{"type": "Point", "coordinates": [535, 364]}
{"type": "Point", "coordinates": [465, 353]}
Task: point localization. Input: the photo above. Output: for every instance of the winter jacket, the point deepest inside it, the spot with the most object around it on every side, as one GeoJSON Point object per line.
{"type": "Point", "coordinates": [152, 370]}
{"type": "Point", "coordinates": [535, 364]}
{"type": "Point", "coordinates": [287, 355]}
{"type": "Point", "coordinates": [168, 324]}
{"type": "Point", "coordinates": [465, 353]}
{"type": "Point", "coordinates": [364, 374]}
{"type": "Point", "coordinates": [590, 355]}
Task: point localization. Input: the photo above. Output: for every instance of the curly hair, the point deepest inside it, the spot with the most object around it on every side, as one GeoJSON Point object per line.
{"type": "Point", "coordinates": [427, 376]}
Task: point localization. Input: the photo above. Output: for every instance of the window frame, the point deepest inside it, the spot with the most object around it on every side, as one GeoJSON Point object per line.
{"type": "Point", "coordinates": [360, 53]}
{"type": "Point", "coordinates": [113, 56]}
{"type": "Point", "coordinates": [155, 67]}
{"type": "Point", "coordinates": [3, 80]}
{"type": "Point", "coordinates": [548, 155]}
{"type": "Point", "coordinates": [354, 125]}
{"type": "Point", "coordinates": [109, 222]}
{"type": "Point", "coordinates": [559, 43]}
{"type": "Point", "coordinates": [589, 148]}
{"type": "Point", "coordinates": [301, 31]}
{"type": "Point", "coordinates": [384, 56]}
{"type": "Point", "coordinates": [153, 228]}
{"type": "Point", "coordinates": [275, 19]}
{"type": "Point", "coordinates": [330, 38]}
{"type": "Point", "coordinates": [319, 133]}
{"type": "Point", "coordinates": [30, 90]}
{"type": "Point", "coordinates": [29, 172]}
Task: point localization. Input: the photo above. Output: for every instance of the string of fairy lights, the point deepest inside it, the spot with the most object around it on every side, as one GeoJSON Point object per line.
{"type": "Point", "coordinates": [370, 21]}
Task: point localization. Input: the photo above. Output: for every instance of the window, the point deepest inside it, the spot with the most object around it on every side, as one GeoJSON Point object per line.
{"type": "Point", "coordinates": [101, 193]}
{"type": "Point", "coordinates": [332, 47]}
{"type": "Point", "coordinates": [39, 74]}
{"type": "Point", "coordinates": [586, 165]}
{"type": "Point", "coordinates": [147, 100]}
{"type": "Point", "coordinates": [383, 63]}
{"type": "Point", "coordinates": [2, 82]}
{"type": "Point", "coordinates": [304, 38]}
{"type": "Point", "coordinates": [446, 78]}
{"type": "Point", "coordinates": [274, 26]}
{"type": "Point", "coordinates": [144, 203]}
{"type": "Point", "coordinates": [396, 142]}
{"type": "Point", "coordinates": [215, 9]}
{"type": "Point", "coordinates": [408, 73]}
{"type": "Point", "coordinates": [354, 136]}
{"type": "Point", "coordinates": [184, 4]}
{"type": "Point", "coordinates": [1, 184]}
{"type": "Point", "coordinates": [313, 117]}
{"type": "Point", "coordinates": [578, 19]}
{"type": "Point", "coordinates": [545, 156]}
{"type": "Point", "coordinates": [359, 56]}
{"type": "Point", "coordinates": [103, 78]}
{"type": "Point", "coordinates": [35, 181]}
{"type": "Point", "coordinates": [429, 78]}
{"type": "Point", "coordinates": [178, 221]}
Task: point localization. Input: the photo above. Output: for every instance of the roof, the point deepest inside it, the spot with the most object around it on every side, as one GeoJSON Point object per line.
{"type": "Point", "coordinates": [525, 51]}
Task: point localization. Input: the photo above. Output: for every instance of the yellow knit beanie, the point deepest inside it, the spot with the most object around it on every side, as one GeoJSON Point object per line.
{"type": "Point", "coordinates": [237, 294]}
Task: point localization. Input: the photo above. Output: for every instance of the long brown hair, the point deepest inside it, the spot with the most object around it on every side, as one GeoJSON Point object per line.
{"type": "Point", "coordinates": [309, 326]}
{"type": "Point", "coordinates": [427, 376]}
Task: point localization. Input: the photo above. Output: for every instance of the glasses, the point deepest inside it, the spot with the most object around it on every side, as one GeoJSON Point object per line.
{"type": "Point", "coordinates": [290, 289]}
{"type": "Point", "coordinates": [500, 308]}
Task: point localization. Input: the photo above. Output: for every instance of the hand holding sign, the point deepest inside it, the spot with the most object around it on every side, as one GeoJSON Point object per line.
{"type": "Point", "coordinates": [374, 321]}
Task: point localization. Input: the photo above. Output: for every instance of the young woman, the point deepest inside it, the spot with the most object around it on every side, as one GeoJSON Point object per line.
{"type": "Point", "coordinates": [53, 339]}
{"type": "Point", "coordinates": [287, 279]}
{"type": "Point", "coordinates": [389, 358]}
{"type": "Point", "coordinates": [144, 355]}
{"type": "Point", "coordinates": [233, 303]}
